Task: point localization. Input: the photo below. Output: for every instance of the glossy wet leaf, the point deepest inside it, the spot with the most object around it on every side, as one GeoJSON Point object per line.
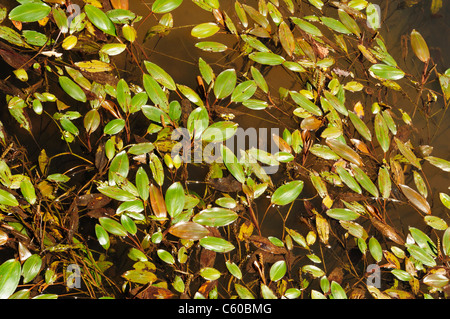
{"type": "Point", "coordinates": [416, 199]}
{"type": "Point", "coordinates": [287, 193]}
{"type": "Point", "coordinates": [8, 199]}
{"type": "Point", "coordinates": [209, 273]}
{"type": "Point", "coordinates": [382, 132]}
{"type": "Point", "coordinates": [91, 121]}
{"type": "Point", "coordinates": [114, 126]}
{"type": "Point", "coordinates": [216, 244]}
{"type": "Point", "coordinates": [323, 151]}
{"type": "Point", "coordinates": [277, 270]}
{"type": "Point", "coordinates": [225, 83]}
{"type": "Point", "coordinates": [373, 16]}
{"type": "Point", "coordinates": [307, 26]}
{"type": "Point", "coordinates": [349, 22]}
{"type": "Point", "coordinates": [102, 236]}
{"type": "Point", "coordinates": [155, 92]}
{"type": "Point", "coordinates": [419, 46]}
{"type": "Point", "coordinates": [436, 222]}
{"type": "Point", "coordinates": [243, 292]}
{"type": "Point", "coordinates": [365, 181]}
{"type": "Point", "coordinates": [344, 151]}
{"type": "Point", "coordinates": [408, 153]}
{"type": "Point", "coordinates": [286, 38]}
{"type": "Point", "coordinates": [175, 199]}
{"type": "Point", "coordinates": [116, 193]}
{"type": "Point", "coordinates": [71, 88]}
{"type": "Point", "coordinates": [337, 291]}
{"type": "Point", "coordinates": [386, 72]}
{"type": "Point", "coordinates": [231, 162]}
{"type": "Point", "coordinates": [436, 280]}
{"type": "Point", "coordinates": [375, 249]}
{"type": "Point", "coordinates": [165, 256]}
{"type": "Point", "coordinates": [215, 217]}
{"type": "Point", "coordinates": [354, 229]}
{"type": "Point", "coordinates": [423, 240]}
{"type": "Point", "coordinates": [31, 268]}
{"type": "Point", "coordinates": [259, 79]}
{"type": "Point", "coordinates": [128, 224]}
{"type": "Point", "coordinates": [234, 269]}
{"type": "Point", "coordinates": [446, 242]}
{"type": "Point", "coordinates": [211, 46]}
{"type": "Point", "coordinates": [243, 91]}
{"type": "Point", "coordinates": [164, 6]}
{"type": "Point", "coordinates": [205, 30]}
{"type": "Point", "coordinates": [143, 273]}
{"type": "Point", "coordinates": [335, 25]}
{"type": "Point", "coordinates": [421, 255]}
{"type": "Point", "coordinates": [188, 230]}
{"type": "Point", "coordinates": [384, 182]}
{"type": "Point", "coordinates": [348, 179]}
{"type": "Point", "coordinates": [29, 12]}
{"type": "Point", "coordinates": [342, 214]}
{"type": "Point", "coordinates": [439, 162]}
{"type": "Point", "coordinates": [10, 272]}
{"type": "Point", "coordinates": [219, 131]}
{"type": "Point", "coordinates": [305, 103]}
{"type": "Point", "coordinates": [445, 199]}
{"type": "Point", "coordinates": [28, 191]}
{"type": "Point", "coordinates": [112, 226]}
{"type": "Point", "coordinates": [160, 75]}
{"type": "Point", "coordinates": [157, 202]}
{"type": "Point", "coordinates": [100, 19]}
{"type": "Point", "coordinates": [267, 58]}
{"type": "Point", "coordinates": [360, 126]}
{"type": "Point", "coordinates": [336, 103]}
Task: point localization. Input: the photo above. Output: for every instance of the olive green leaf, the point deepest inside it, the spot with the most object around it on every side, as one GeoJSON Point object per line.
{"type": "Point", "coordinates": [382, 132]}
{"type": "Point", "coordinates": [375, 249]}
{"type": "Point", "coordinates": [439, 162]}
{"type": "Point", "coordinates": [234, 269]}
{"type": "Point", "coordinates": [165, 6]}
{"type": "Point", "coordinates": [364, 181]}
{"type": "Point", "coordinates": [342, 214]}
{"type": "Point", "coordinates": [232, 164]}
{"type": "Point", "coordinates": [100, 19]}
{"type": "Point", "coordinates": [155, 92]}
{"type": "Point", "coordinates": [305, 103]}
{"type": "Point", "coordinates": [348, 179]}
{"type": "Point", "coordinates": [165, 256]}
{"type": "Point", "coordinates": [209, 273]}
{"type": "Point", "coordinates": [344, 151]}
{"type": "Point", "coordinates": [384, 182]}
{"type": "Point", "coordinates": [267, 58]}
{"type": "Point", "coordinates": [211, 46]}
{"type": "Point", "coordinates": [188, 230]}
{"type": "Point", "coordinates": [360, 126]}
{"type": "Point", "coordinates": [225, 83]}
{"type": "Point", "coordinates": [219, 131]}
{"type": "Point", "coordinates": [419, 46]}
{"type": "Point", "coordinates": [407, 153]}
{"type": "Point", "coordinates": [8, 199]}
{"type": "Point", "coordinates": [243, 91]}
{"type": "Point", "coordinates": [205, 30]}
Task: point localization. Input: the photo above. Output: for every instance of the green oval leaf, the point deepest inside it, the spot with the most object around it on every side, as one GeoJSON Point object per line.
{"type": "Point", "coordinates": [31, 268]}
{"type": "Point", "coordinates": [216, 244]}
{"type": "Point", "coordinates": [344, 151]}
{"type": "Point", "coordinates": [160, 75]}
{"type": "Point", "coordinates": [419, 46]}
{"type": "Point", "coordinates": [8, 199]}
{"type": "Point", "coordinates": [205, 30]}
{"type": "Point", "coordinates": [232, 164]}
{"type": "Point", "coordinates": [114, 126]}
{"type": "Point", "coordinates": [215, 217]}
{"type": "Point", "coordinates": [348, 179]}
{"type": "Point", "coordinates": [287, 193]}
{"type": "Point", "coordinates": [225, 83]}
{"type": "Point", "coordinates": [342, 214]}
{"type": "Point", "coordinates": [9, 277]}
{"type": "Point", "coordinates": [188, 230]}
{"type": "Point", "coordinates": [267, 58]}
{"type": "Point", "coordinates": [219, 131]}
{"type": "Point", "coordinates": [29, 12]}
{"type": "Point", "coordinates": [100, 19]}
{"type": "Point", "coordinates": [277, 270]}
{"type": "Point", "coordinates": [209, 273]}
{"type": "Point", "coordinates": [375, 249]}
{"type": "Point", "coordinates": [386, 72]}
{"type": "Point", "coordinates": [175, 199]}
{"type": "Point", "coordinates": [165, 6]}
{"type": "Point", "coordinates": [243, 91]}
{"type": "Point", "coordinates": [112, 226]}
{"type": "Point", "coordinates": [365, 181]}
{"type": "Point", "coordinates": [305, 103]}
{"type": "Point", "coordinates": [416, 199]}
{"type": "Point", "coordinates": [165, 256]}
{"type": "Point", "coordinates": [234, 269]}
{"type": "Point", "coordinates": [71, 88]}
{"type": "Point", "coordinates": [360, 126]}
{"type": "Point", "coordinates": [102, 236]}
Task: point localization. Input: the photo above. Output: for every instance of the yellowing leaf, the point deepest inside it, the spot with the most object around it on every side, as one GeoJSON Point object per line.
{"type": "Point", "coordinates": [94, 66]}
